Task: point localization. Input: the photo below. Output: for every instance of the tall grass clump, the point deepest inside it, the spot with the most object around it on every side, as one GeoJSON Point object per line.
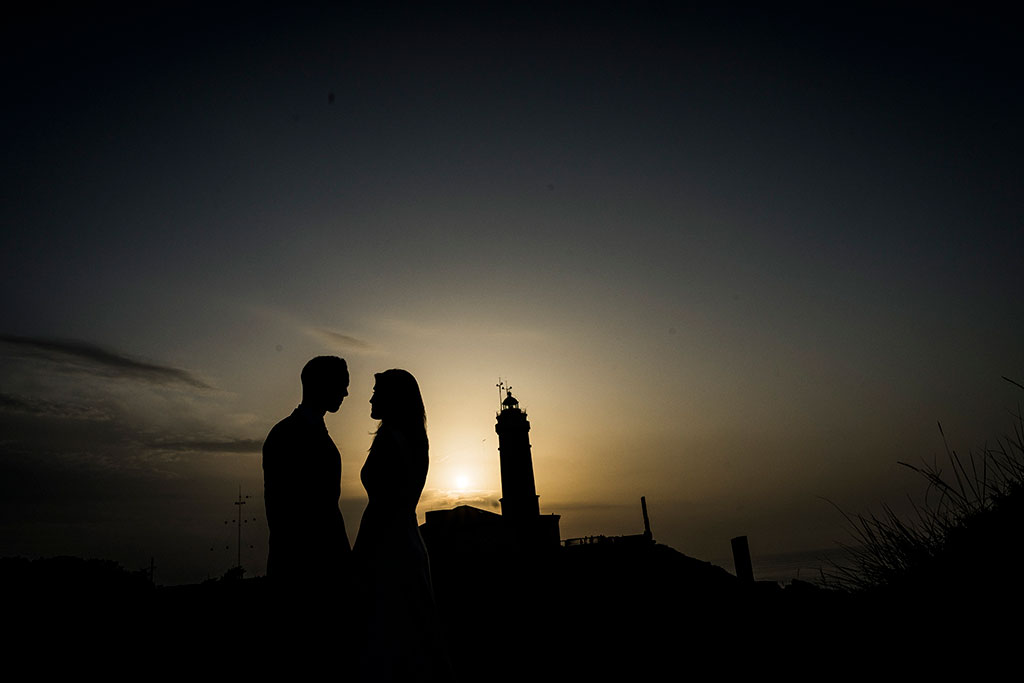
{"type": "Point", "coordinates": [963, 538]}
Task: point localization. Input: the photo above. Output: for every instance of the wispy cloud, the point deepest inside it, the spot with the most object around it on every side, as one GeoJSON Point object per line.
{"type": "Point", "coordinates": [438, 499]}
{"type": "Point", "coordinates": [98, 360]}
{"type": "Point", "coordinates": [213, 446]}
{"type": "Point", "coordinates": [27, 405]}
{"type": "Point", "coordinates": [343, 342]}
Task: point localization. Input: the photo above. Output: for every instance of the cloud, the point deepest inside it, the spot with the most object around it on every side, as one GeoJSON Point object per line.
{"type": "Point", "coordinates": [101, 361]}
{"type": "Point", "coordinates": [22, 404]}
{"type": "Point", "coordinates": [39, 407]}
{"type": "Point", "coordinates": [216, 446]}
{"type": "Point", "coordinates": [340, 341]}
{"type": "Point", "coordinates": [439, 499]}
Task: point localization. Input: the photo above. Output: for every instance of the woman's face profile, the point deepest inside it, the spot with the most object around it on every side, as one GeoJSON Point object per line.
{"type": "Point", "coordinates": [376, 405]}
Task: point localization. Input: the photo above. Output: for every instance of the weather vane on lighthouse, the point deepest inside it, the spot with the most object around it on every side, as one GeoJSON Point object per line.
{"type": "Point", "coordinates": [503, 402]}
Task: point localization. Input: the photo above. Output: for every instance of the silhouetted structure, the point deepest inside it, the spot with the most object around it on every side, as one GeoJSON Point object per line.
{"type": "Point", "coordinates": [464, 531]}
{"type": "Point", "coordinates": [520, 504]}
{"type": "Point", "coordinates": [519, 499]}
{"type": "Point", "coordinates": [646, 538]}
{"type": "Point", "coordinates": [647, 520]}
{"type": "Point", "coordinates": [520, 528]}
{"type": "Point", "coordinates": [741, 558]}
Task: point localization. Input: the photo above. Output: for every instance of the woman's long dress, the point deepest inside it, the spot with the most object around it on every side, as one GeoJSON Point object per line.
{"type": "Point", "coordinates": [400, 615]}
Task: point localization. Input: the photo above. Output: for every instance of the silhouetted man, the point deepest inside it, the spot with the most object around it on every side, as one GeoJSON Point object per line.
{"type": "Point", "coordinates": [302, 484]}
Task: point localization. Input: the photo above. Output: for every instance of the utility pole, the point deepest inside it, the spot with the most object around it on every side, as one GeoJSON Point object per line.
{"type": "Point", "coordinates": [240, 502]}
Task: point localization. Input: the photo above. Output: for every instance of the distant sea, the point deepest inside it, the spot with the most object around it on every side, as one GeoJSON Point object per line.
{"type": "Point", "coordinates": [784, 567]}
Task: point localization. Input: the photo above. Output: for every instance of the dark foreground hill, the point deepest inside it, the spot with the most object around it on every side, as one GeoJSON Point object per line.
{"type": "Point", "coordinates": [594, 613]}
{"type": "Point", "coordinates": [590, 611]}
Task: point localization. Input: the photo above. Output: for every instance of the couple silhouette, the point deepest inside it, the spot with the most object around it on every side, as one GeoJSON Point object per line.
{"type": "Point", "coordinates": [390, 617]}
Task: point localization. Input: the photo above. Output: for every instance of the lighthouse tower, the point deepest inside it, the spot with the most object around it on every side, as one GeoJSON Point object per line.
{"type": "Point", "coordinates": [527, 529]}
{"type": "Point", "coordinates": [519, 499]}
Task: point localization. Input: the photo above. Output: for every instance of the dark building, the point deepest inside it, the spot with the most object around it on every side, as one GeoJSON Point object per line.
{"type": "Point", "coordinates": [464, 532]}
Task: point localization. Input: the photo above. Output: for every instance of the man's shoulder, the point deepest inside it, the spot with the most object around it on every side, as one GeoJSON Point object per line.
{"type": "Point", "coordinates": [287, 430]}
{"type": "Point", "coordinates": [287, 424]}
{"type": "Point", "coordinates": [284, 425]}
{"type": "Point", "coordinates": [296, 428]}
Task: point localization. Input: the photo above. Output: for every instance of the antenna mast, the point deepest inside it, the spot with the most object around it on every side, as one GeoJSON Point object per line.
{"type": "Point", "coordinates": [240, 502]}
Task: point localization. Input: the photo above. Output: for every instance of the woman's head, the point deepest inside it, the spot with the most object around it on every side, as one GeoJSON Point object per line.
{"type": "Point", "coordinates": [396, 398]}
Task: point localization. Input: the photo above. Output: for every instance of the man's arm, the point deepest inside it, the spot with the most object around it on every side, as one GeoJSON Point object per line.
{"type": "Point", "coordinates": [280, 487]}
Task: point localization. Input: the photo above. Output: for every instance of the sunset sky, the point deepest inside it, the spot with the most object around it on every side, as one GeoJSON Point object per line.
{"type": "Point", "coordinates": [740, 262]}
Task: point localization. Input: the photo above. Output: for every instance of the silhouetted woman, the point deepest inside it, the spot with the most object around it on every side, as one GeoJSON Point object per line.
{"type": "Point", "coordinates": [401, 637]}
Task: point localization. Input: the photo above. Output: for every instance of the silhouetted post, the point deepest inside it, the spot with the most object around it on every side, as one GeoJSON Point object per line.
{"type": "Point", "coordinates": [240, 502]}
{"type": "Point", "coordinates": [647, 520]}
{"type": "Point", "coordinates": [741, 558]}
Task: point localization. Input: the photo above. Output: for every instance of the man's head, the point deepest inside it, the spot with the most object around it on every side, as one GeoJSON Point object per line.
{"type": "Point", "coordinates": [325, 383]}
